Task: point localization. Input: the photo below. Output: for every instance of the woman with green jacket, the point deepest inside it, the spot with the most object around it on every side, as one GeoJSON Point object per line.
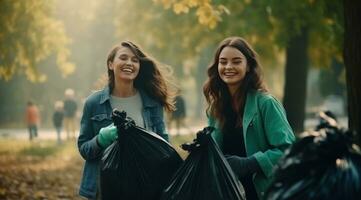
{"type": "Point", "coordinates": [251, 126]}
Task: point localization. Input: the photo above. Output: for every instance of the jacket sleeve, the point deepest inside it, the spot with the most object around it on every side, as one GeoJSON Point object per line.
{"type": "Point", "coordinates": [161, 129]}
{"type": "Point", "coordinates": [87, 144]}
{"type": "Point", "coordinates": [278, 133]}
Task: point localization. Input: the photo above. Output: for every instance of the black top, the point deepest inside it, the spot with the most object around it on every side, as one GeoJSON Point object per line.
{"type": "Point", "coordinates": [58, 118]}
{"type": "Point", "coordinates": [70, 107]}
{"type": "Point", "coordinates": [180, 111]}
{"type": "Point", "coordinates": [233, 144]}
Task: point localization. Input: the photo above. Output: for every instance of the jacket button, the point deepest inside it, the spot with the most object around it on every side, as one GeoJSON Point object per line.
{"type": "Point", "coordinates": [251, 124]}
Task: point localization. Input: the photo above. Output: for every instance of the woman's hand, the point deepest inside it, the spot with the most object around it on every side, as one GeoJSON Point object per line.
{"type": "Point", "coordinates": [107, 135]}
{"type": "Point", "coordinates": [243, 166]}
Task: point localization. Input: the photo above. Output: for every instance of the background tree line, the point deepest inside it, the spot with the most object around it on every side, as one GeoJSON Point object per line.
{"type": "Point", "coordinates": [60, 44]}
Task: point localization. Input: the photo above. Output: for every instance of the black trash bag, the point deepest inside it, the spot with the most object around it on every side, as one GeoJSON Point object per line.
{"type": "Point", "coordinates": [138, 164]}
{"type": "Point", "coordinates": [326, 120]}
{"type": "Point", "coordinates": [205, 174]}
{"type": "Point", "coordinates": [323, 165]}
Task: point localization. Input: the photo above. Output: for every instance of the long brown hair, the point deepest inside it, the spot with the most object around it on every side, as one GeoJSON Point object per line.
{"type": "Point", "coordinates": [153, 78]}
{"type": "Point", "coordinates": [216, 91]}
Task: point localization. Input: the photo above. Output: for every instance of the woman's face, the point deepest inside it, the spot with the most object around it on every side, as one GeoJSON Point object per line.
{"type": "Point", "coordinates": [125, 65]}
{"type": "Point", "coordinates": [232, 67]}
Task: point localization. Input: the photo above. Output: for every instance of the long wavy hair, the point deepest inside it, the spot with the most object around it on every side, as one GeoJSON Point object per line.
{"type": "Point", "coordinates": [153, 78]}
{"type": "Point", "coordinates": [216, 91]}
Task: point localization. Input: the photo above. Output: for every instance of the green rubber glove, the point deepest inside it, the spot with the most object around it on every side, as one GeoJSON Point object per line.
{"type": "Point", "coordinates": [107, 135]}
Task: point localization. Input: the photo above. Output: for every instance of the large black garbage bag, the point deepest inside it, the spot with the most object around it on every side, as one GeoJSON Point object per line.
{"type": "Point", "coordinates": [138, 164]}
{"type": "Point", "coordinates": [326, 120]}
{"type": "Point", "coordinates": [322, 165]}
{"type": "Point", "coordinates": [205, 174]}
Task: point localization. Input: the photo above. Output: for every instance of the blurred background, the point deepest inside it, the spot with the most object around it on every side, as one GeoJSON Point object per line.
{"type": "Point", "coordinates": [49, 46]}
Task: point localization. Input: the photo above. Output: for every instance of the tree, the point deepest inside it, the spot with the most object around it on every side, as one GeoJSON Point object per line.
{"type": "Point", "coordinates": [177, 39]}
{"type": "Point", "coordinates": [28, 36]}
{"type": "Point", "coordinates": [296, 27]}
{"type": "Point", "coordinates": [352, 58]}
{"type": "Point", "coordinates": [294, 99]}
{"type": "Point", "coordinates": [303, 22]}
{"type": "Point", "coordinates": [89, 26]}
{"type": "Point", "coordinates": [169, 37]}
{"type": "Point", "coordinates": [207, 13]}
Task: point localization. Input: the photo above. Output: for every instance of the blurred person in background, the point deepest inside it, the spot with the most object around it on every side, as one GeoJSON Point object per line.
{"type": "Point", "coordinates": [70, 107]}
{"type": "Point", "coordinates": [179, 114]}
{"type": "Point", "coordinates": [58, 117]}
{"type": "Point", "coordinates": [251, 125]}
{"type": "Point", "coordinates": [32, 119]}
{"type": "Point", "coordinates": [136, 84]}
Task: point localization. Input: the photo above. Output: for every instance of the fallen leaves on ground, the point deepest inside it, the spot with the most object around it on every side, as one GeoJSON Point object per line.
{"type": "Point", "coordinates": [30, 170]}
{"type": "Point", "coordinates": [43, 170]}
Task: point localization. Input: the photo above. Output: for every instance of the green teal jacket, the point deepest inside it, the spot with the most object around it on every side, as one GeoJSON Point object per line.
{"type": "Point", "coordinates": [266, 133]}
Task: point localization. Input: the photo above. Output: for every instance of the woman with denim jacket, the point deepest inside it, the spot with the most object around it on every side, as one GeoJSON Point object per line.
{"type": "Point", "coordinates": [251, 125]}
{"type": "Point", "coordinates": [136, 85]}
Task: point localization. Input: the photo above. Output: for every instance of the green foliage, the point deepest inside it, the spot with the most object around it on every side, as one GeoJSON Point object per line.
{"type": "Point", "coordinates": [178, 38]}
{"type": "Point", "coordinates": [208, 14]}
{"type": "Point", "coordinates": [326, 41]}
{"type": "Point", "coordinates": [89, 24]}
{"type": "Point", "coordinates": [23, 148]}
{"type": "Point", "coordinates": [169, 37]}
{"type": "Point", "coordinates": [322, 19]}
{"type": "Point", "coordinates": [29, 35]}
{"type": "Point", "coordinates": [40, 150]}
{"type": "Point", "coordinates": [269, 25]}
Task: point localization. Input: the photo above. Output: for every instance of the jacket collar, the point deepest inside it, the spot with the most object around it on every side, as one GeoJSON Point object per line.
{"type": "Point", "coordinates": [250, 109]}
{"type": "Point", "coordinates": [105, 95]}
{"type": "Point", "coordinates": [146, 100]}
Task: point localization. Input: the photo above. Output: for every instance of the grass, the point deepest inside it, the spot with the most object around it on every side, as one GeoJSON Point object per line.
{"type": "Point", "coordinates": [37, 148]}
{"type": "Point", "coordinates": [46, 148]}
{"type": "Point", "coordinates": [40, 150]}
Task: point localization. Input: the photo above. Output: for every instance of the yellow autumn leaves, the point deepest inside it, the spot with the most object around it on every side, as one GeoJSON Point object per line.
{"type": "Point", "coordinates": [29, 35]}
{"type": "Point", "coordinates": [208, 14]}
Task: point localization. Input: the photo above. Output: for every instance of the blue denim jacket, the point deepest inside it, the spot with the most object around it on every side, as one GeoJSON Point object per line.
{"type": "Point", "coordinates": [97, 114]}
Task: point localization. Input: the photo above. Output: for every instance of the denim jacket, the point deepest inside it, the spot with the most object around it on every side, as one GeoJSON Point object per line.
{"type": "Point", "coordinates": [97, 114]}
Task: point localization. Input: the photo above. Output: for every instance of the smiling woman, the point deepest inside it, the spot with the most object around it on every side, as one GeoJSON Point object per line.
{"type": "Point", "coordinates": [125, 66]}
{"type": "Point", "coordinates": [232, 67]}
{"type": "Point", "coordinates": [251, 125]}
{"type": "Point", "coordinates": [136, 85]}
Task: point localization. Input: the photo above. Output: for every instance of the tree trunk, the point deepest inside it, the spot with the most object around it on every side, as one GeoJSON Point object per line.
{"type": "Point", "coordinates": [294, 99]}
{"type": "Point", "coordinates": [352, 59]}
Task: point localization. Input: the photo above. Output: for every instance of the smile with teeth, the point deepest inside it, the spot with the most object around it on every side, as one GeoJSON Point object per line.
{"type": "Point", "coordinates": [128, 70]}
{"type": "Point", "coordinates": [229, 73]}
